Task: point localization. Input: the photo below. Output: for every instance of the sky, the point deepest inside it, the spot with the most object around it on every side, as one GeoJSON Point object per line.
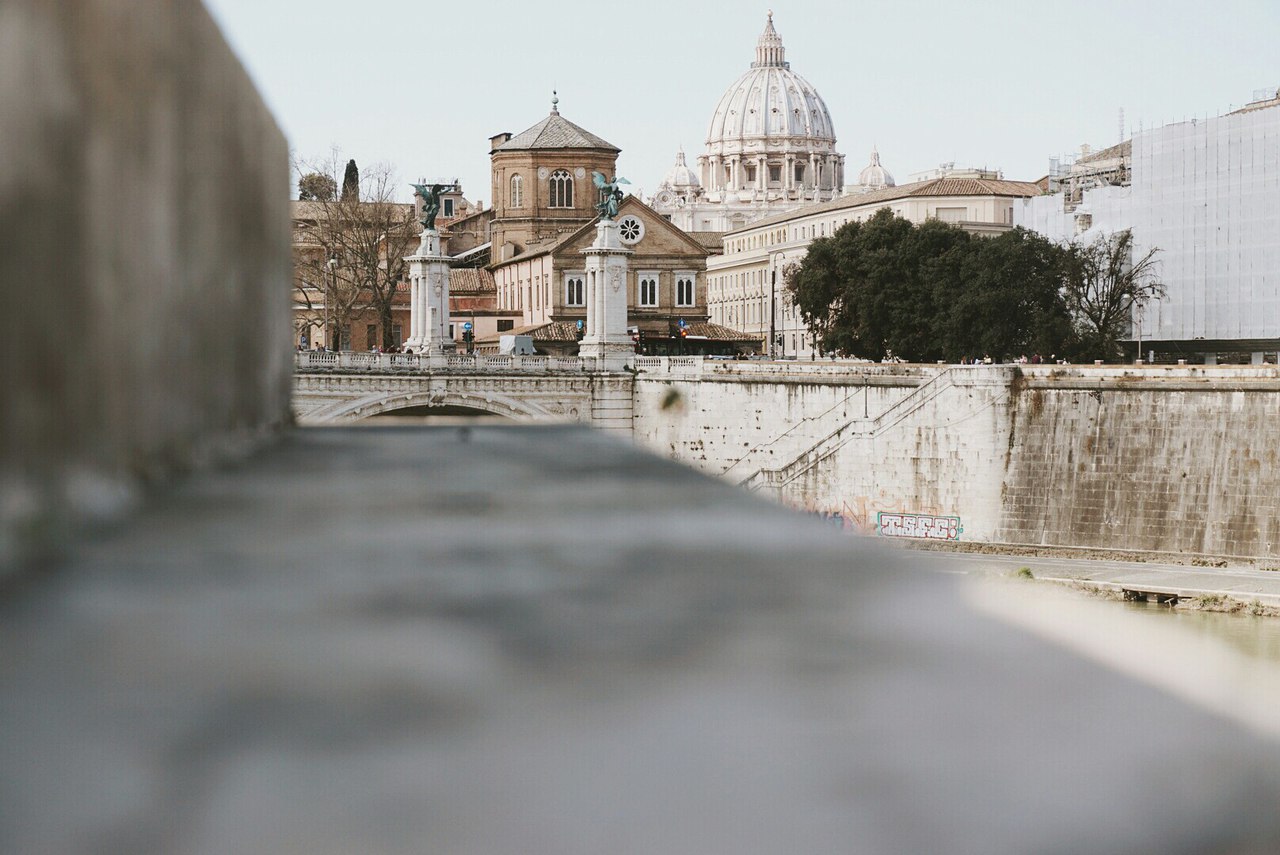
{"type": "Point", "coordinates": [421, 85]}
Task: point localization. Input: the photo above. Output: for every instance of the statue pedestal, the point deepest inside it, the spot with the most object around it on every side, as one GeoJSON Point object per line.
{"type": "Point", "coordinates": [606, 338]}
{"type": "Point", "coordinates": [429, 297]}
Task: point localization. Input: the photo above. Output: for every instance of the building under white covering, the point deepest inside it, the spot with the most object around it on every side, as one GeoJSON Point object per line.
{"type": "Point", "coordinates": [770, 148]}
{"type": "Point", "coordinates": [1207, 194]}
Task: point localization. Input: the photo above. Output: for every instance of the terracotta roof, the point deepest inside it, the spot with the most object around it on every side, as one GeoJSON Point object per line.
{"type": "Point", "coordinates": [715, 332]}
{"type": "Point", "coordinates": [1259, 105]}
{"type": "Point", "coordinates": [555, 131]}
{"type": "Point", "coordinates": [311, 210]}
{"type": "Point", "coordinates": [1124, 149]}
{"type": "Point", "coordinates": [932, 187]}
{"type": "Point", "coordinates": [471, 280]}
{"type": "Point", "coordinates": [557, 331]}
{"type": "Point", "coordinates": [709, 240]}
{"type": "Point", "coordinates": [540, 248]}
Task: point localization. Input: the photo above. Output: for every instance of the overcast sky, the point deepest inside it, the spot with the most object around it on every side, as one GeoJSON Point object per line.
{"type": "Point", "coordinates": [421, 85]}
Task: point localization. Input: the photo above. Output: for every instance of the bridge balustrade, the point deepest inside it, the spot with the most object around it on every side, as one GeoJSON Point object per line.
{"type": "Point", "coordinates": [313, 360]}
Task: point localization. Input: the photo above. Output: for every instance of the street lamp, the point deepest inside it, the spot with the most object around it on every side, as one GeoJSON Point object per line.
{"type": "Point", "coordinates": [332, 264]}
{"type": "Point", "coordinates": [773, 287]}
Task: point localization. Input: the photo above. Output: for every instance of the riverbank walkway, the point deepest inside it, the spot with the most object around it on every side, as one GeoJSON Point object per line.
{"type": "Point", "coordinates": [1241, 582]}
{"type": "Point", "coordinates": [490, 639]}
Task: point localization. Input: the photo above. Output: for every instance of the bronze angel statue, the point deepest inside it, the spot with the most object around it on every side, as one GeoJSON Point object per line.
{"type": "Point", "coordinates": [430, 202]}
{"type": "Point", "coordinates": [610, 194]}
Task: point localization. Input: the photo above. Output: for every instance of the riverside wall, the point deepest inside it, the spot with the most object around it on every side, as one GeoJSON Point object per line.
{"type": "Point", "coordinates": [1179, 459]}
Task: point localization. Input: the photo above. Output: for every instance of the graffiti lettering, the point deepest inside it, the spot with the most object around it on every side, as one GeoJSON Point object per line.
{"type": "Point", "coordinates": [918, 525]}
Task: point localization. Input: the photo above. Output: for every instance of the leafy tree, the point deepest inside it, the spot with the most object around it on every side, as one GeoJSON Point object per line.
{"type": "Point", "coordinates": [351, 182]}
{"type": "Point", "coordinates": [349, 254]}
{"type": "Point", "coordinates": [317, 186]}
{"type": "Point", "coordinates": [1102, 284]}
{"type": "Point", "coordinates": [1006, 300]}
{"type": "Point", "coordinates": [933, 291]}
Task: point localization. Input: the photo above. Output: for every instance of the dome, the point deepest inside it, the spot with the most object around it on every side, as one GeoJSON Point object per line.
{"type": "Point", "coordinates": [770, 101]}
{"type": "Point", "coordinates": [875, 176]}
{"type": "Point", "coordinates": [680, 177]}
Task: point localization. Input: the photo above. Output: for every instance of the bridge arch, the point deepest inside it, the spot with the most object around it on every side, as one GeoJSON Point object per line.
{"type": "Point", "coordinates": [495, 404]}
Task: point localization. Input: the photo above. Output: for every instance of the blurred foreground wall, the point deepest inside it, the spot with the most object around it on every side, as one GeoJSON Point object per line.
{"type": "Point", "coordinates": [145, 265]}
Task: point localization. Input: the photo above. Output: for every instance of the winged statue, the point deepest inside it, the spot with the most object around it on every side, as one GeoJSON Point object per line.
{"type": "Point", "coordinates": [610, 194]}
{"type": "Point", "coordinates": [430, 194]}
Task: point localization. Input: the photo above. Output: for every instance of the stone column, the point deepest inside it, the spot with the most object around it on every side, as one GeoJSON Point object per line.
{"type": "Point", "coordinates": [606, 338]}
{"type": "Point", "coordinates": [429, 297]}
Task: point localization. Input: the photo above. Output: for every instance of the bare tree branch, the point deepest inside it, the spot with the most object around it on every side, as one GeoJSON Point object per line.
{"type": "Point", "coordinates": [1103, 283]}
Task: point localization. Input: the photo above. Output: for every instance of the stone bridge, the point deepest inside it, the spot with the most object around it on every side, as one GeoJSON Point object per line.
{"type": "Point", "coordinates": [342, 387]}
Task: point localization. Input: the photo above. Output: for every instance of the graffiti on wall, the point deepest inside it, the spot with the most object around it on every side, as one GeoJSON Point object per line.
{"type": "Point", "coordinates": [926, 526]}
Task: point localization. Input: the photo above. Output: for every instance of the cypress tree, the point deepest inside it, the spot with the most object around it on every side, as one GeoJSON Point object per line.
{"type": "Point", "coordinates": [351, 182]}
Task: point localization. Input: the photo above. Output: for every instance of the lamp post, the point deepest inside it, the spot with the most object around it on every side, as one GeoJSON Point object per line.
{"type": "Point", "coordinates": [332, 264]}
{"type": "Point", "coordinates": [773, 303]}
{"type": "Point", "coordinates": [1140, 315]}
{"type": "Point", "coordinates": [773, 285]}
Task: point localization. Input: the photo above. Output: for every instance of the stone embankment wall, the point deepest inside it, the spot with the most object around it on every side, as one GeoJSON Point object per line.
{"type": "Point", "coordinates": [1161, 459]}
{"type": "Point", "coordinates": [1179, 459]}
{"type": "Point", "coordinates": [146, 265]}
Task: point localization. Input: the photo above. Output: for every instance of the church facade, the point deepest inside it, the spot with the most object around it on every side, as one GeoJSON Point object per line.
{"type": "Point", "coordinates": [543, 218]}
{"type": "Point", "coordinates": [770, 148]}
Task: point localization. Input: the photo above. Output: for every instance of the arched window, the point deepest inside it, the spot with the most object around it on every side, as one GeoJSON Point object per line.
{"type": "Point", "coordinates": [561, 190]}
{"type": "Point", "coordinates": [517, 191]}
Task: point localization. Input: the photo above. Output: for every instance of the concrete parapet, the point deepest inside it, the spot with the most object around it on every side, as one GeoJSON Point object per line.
{"type": "Point", "coordinates": [468, 640]}
{"type": "Point", "coordinates": [146, 263]}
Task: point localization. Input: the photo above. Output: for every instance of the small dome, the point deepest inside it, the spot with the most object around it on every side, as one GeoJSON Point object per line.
{"type": "Point", "coordinates": [875, 176]}
{"type": "Point", "coordinates": [680, 177]}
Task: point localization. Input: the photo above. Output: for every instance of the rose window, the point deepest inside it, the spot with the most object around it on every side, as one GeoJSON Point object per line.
{"type": "Point", "coordinates": [630, 229]}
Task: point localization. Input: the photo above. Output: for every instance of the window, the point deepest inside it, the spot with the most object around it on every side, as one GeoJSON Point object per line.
{"type": "Point", "coordinates": [574, 289]}
{"type": "Point", "coordinates": [517, 191]}
{"type": "Point", "coordinates": [751, 174]}
{"type": "Point", "coordinates": [561, 189]}
{"type": "Point", "coordinates": [505, 325]}
{"type": "Point", "coordinates": [775, 173]}
{"type": "Point", "coordinates": [396, 335]}
{"type": "Point", "coordinates": [648, 290]}
{"type": "Point", "coordinates": [371, 336]}
{"type": "Point", "coordinates": [630, 229]}
{"type": "Point", "coordinates": [448, 207]}
{"type": "Point", "coordinates": [452, 334]}
{"type": "Point", "coordinates": [684, 289]}
{"type": "Point", "coordinates": [799, 173]}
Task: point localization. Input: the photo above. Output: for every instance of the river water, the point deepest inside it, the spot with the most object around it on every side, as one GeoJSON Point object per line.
{"type": "Point", "coordinates": [1258, 637]}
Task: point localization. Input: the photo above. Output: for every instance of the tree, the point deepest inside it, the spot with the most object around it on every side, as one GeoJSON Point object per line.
{"type": "Point", "coordinates": [1102, 285]}
{"type": "Point", "coordinates": [931, 291]}
{"type": "Point", "coordinates": [349, 253]}
{"type": "Point", "coordinates": [351, 182]}
{"type": "Point", "coordinates": [861, 290]}
{"type": "Point", "coordinates": [317, 186]}
{"type": "Point", "coordinates": [1007, 301]}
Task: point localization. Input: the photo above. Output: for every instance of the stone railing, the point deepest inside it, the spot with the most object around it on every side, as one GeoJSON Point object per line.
{"type": "Point", "coordinates": [668, 364]}
{"type": "Point", "coordinates": [397, 363]}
